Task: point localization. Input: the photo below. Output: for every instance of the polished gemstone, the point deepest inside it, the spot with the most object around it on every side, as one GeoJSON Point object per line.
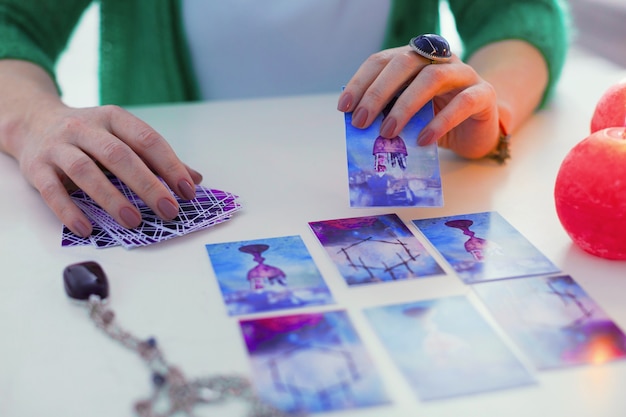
{"type": "Point", "coordinates": [431, 46]}
{"type": "Point", "coordinates": [85, 279]}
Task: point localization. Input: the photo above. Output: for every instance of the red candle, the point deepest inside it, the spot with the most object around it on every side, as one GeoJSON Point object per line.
{"type": "Point", "coordinates": [590, 193]}
{"type": "Point", "coordinates": [610, 110]}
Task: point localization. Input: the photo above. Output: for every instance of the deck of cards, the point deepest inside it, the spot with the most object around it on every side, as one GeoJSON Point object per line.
{"type": "Point", "coordinates": [209, 208]}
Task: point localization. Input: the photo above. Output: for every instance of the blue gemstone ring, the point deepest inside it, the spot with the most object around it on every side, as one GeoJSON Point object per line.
{"type": "Point", "coordinates": [432, 47]}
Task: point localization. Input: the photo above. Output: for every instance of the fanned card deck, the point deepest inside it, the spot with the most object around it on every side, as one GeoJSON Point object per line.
{"type": "Point", "coordinates": [209, 208]}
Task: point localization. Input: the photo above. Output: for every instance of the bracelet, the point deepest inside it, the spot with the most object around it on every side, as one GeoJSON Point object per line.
{"type": "Point", "coordinates": [502, 152]}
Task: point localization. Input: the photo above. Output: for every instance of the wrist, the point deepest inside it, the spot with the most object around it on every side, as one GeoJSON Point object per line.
{"type": "Point", "coordinates": [26, 92]}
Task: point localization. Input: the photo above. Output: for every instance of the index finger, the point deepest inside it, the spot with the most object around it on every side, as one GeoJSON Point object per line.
{"type": "Point", "coordinates": [378, 81]}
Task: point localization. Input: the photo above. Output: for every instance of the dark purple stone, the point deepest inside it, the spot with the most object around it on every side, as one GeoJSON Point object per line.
{"type": "Point", "coordinates": [158, 379]}
{"type": "Point", "coordinates": [432, 46]}
{"type": "Point", "coordinates": [84, 279]}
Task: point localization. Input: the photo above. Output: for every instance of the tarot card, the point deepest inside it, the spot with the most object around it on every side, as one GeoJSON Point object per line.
{"type": "Point", "coordinates": [554, 321]}
{"type": "Point", "coordinates": [209, 208]}
{"type": "Point", "coordinates": [99, 237]}
{"type": "Point", "coordinates": [484, 246]}
{"type": "Point", "coordinates": [392, 172]}
{"type": "Point", "coordinates": [374, 249]}
{"type": "Point", "coordinates": [311, 363]}
{"type": "Point", "coordinates": [70, 239]}
{"type": "Point", "coordinates": [444, 348]}
{"type": "Point", "coordinates": [267, 274]}
{"type": "Point", "coordinates": [152, 228]}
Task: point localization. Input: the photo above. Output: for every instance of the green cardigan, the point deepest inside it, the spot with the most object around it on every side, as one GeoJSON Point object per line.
{"type": "Point", "coordinates": [144, 57]}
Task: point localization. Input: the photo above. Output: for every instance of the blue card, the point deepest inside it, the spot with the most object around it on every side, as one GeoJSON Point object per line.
{"type": "Point", "coordinates": [267, 274]}
{"type": "Point", "coordinates": [392, 172]}
{"type": "Point", "coordinates": [554, 321]}
{"type": "Point", "coordinates": [374, 249]}
{"type": "Point", "coordinates": [311, 363]}
{"type": "Point", "coordinates": [484, 246]}
{"type": "Point", "coordinates": [444, 348]}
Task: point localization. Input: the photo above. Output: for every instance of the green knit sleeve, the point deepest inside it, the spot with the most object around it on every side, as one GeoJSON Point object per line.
{"type": "Point", "coordinates": [542, 23]}
{"type": "Point", "coordinates": [144, 57]}
{"type": "Point", "coordinates": [38, 30]}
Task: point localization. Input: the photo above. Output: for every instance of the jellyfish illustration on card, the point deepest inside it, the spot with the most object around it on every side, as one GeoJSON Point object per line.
{"type": "Point", "coordinates": [484, 246]}
{"type": "Point", "coordinates": [392, 172]}
{"type": "Point", "coordinates": [311, 363]}
{"type": "Point", "coordinates": [373, 249]}
{"type": "Point", "coordinates": [553, 320]}
{"type": "Point", "coordinates": [267, 274]}
{"type": "Point", "coordinates": [444, 348]}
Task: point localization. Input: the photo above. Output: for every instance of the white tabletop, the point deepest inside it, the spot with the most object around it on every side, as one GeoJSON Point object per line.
{"type": "Point", "coordinates": [285, 157]}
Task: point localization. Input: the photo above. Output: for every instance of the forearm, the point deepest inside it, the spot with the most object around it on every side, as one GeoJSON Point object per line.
{"type": "Point", "coordinates": [24, 89]}
{"type": "Point", "coordinates": [519, 75]}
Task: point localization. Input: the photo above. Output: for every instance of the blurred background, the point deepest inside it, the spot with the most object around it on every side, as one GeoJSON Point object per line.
{"type": "Point", "coordinates": [599, 29]}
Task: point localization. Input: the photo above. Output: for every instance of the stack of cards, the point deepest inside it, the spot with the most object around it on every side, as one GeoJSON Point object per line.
{"type": "Point", "coordinates": [209, 208]}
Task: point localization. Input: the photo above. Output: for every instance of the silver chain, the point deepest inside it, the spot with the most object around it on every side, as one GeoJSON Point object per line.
{"type": "Point", "coordinates": [172, 392]}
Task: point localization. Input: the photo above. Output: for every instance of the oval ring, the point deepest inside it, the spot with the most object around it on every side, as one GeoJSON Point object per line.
{"type": "Point", "coordinates": [432, 47]}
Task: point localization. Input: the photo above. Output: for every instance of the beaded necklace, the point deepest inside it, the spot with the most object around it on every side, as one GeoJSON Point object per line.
{"type": "Point", "coordinates": [172, 391]}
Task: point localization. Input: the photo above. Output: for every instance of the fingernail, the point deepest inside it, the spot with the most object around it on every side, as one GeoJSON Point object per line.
{"type": "Point", "coordinates": [195, 176]}
{"type": "Point", "coordinates": [187, 190]}
{"type": "Point", "coordinates": [130, 217]}
{"type": "Point", "coordinates": [345, 101]}
{"type": "Point", "coordinates": [359, 118]}
{"type": "Point", "coordinates": [425, 137]}
{"type": "Point", "coordinates": [388, 127]}
{"type": "Point", "coordinates": [82, 229]}
{"type": "Point", "coordinates": [167, 208]}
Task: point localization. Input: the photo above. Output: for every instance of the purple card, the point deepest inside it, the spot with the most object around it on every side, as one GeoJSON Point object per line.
{"type": "Point", "coordinates": [209, 208]}
{"type": "Point", "coordinates": [267, 274]}
{"type": "Point", "coordinates": [392, 172]}
{"type": "Point", "coordinates": [484, 246]}
{"type": "Point", "coordinates": [374, 249]}
{"type": "Point", "coordinates": [311, 363]}
{"type": "Point", "coordinates": [444, 348]}
{"type": "Point", "coordinates": [554, 321]}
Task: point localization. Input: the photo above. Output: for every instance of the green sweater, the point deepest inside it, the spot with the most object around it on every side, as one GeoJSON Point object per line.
{"type": "Point", "coordinates": [144, 57]}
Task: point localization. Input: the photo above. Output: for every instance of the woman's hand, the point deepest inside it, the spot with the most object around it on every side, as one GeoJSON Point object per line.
{"type": "Point", "coordinates": [466, 107]}
{"type": "Point", "coordinates": [501, 84]}
{"type": "Point", "coordinates": [59, 148]}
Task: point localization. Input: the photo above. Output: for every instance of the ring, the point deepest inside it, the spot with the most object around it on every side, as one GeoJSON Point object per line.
{"type": "Point", "coordinates": [433, 47]}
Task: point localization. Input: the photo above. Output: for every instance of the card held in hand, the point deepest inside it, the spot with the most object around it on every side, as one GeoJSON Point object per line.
{"type": "Point", "coordinates": [393, 172]}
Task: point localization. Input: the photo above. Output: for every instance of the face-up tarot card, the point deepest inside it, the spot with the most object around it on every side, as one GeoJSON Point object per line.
{"type": "Point", "coordinates": [267, 274]}
{"type": "Point", "coordinates": [444, 348]}
{"type": "Point", "coordinates": [484, 246]}
{"type": "Point", "coordinates": [209, 208]}
{"type": "Point", "coordinates": [373, 249]}
{"type": "Point", "coordinates": [395, 171]}
{"type": "Point", "coordinates": [311, 363]}
{"type": "Point", "coordinates": [553, 320]}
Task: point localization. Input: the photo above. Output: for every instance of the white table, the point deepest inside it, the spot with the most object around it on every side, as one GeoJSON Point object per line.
{"type": "Point", "coordinates": [285, 157]}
